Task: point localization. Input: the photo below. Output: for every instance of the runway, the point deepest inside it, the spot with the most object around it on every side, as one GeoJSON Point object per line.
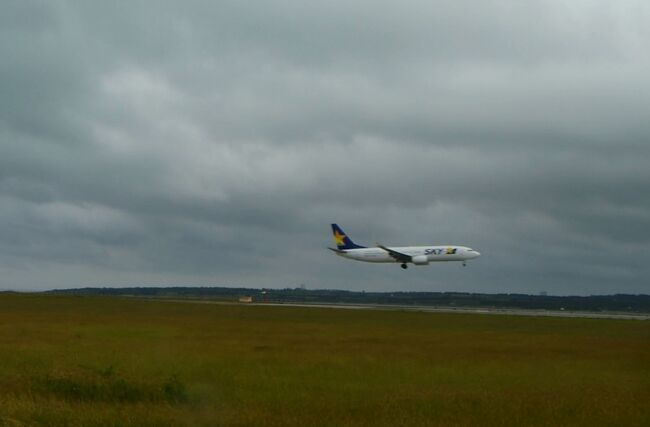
{"type": "Point", "coordinates": [432, 309]}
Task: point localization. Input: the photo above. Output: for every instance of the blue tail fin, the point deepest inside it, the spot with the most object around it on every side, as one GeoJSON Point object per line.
{"type": "Point", "coordinates": [342, 240]}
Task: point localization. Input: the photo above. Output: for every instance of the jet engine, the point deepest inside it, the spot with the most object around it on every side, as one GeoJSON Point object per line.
{"type": "Point", "coordinates": [420, 260]}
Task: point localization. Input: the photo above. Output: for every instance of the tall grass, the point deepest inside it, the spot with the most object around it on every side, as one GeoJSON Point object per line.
{"type": "Point", "coordinates": [110, 361]}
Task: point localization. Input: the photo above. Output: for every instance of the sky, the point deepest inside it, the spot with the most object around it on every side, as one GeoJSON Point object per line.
{"type": "Point", "coordinates": [212, 143]}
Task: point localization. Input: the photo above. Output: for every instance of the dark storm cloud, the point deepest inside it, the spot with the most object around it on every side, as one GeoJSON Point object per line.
{"type": "Point", "coordinates": [213, 142]}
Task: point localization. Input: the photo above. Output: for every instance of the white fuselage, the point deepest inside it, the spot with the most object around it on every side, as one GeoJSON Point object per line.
{"type": "Point", "coordinates": [432, 253]}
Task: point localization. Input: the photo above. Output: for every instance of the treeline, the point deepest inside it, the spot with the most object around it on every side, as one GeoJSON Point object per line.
{"type": "Point", "coordinates": [618, 302]}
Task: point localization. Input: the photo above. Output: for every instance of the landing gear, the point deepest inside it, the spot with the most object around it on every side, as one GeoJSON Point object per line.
{"type": "Point", "coordinates": [464, 264]}
{"type": "Point", "coordinates": [404, 266]}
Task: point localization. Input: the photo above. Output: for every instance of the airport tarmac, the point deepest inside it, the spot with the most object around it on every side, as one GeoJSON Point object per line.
{"type": "Point", "coordinates": [434, 309]}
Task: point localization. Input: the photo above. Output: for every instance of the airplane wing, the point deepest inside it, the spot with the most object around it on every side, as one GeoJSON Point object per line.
{"type": "Point", "coordinates": [397, 255]}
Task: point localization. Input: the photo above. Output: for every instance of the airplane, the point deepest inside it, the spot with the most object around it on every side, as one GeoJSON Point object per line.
{"type": "Point", "coordinates": [417, 255]}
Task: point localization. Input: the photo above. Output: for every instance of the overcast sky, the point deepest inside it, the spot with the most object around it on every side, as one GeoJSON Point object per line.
{"type": "Point", "coordinates": [213, 142]}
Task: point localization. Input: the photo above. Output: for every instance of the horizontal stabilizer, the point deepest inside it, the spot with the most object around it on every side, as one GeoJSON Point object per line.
{"type": "Point", "coordinates": [338, 251]}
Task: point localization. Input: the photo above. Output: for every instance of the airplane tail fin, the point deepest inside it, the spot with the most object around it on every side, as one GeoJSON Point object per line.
{"type": "Point", "coordinates": [342, 240]}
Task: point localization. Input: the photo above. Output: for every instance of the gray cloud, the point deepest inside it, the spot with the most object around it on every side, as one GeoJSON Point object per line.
{"type": "Point", "coordinates": [213, 143]}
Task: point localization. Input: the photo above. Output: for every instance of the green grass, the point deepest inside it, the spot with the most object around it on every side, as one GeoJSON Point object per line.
{"type": "Point", "coordinates": [68, 360]}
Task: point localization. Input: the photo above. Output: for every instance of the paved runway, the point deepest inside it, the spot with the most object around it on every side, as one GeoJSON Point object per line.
{"type": "Point", "coordinates": [502, 311]}
{"type": "Point", "coordinates": [433, 309]}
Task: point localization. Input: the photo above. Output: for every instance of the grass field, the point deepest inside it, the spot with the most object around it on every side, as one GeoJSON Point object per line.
{"type": "Point", "coordinates": [115, 361]}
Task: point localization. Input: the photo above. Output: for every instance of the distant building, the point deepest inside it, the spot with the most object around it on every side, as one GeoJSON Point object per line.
{"type": "Point", "coordinates": [246, 299]}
